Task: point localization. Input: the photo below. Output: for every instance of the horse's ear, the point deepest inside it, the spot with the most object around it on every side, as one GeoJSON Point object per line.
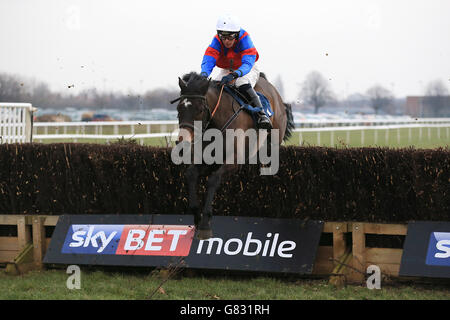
{"type": "Point", "coordinates": [182, 84]}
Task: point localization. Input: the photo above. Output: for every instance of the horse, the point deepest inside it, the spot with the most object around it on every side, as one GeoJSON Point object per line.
{"type": "Point", "coordinates": [204, 100]}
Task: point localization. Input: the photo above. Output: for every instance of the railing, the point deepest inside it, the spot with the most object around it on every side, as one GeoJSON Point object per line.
{"type": "Point", "coordinates": [140, 130]}
{"type": "Point", "coordinates": [314, 123]}
{"type": "Point", "coordinates": [16, 122]}
{"type": "Point", "coordinates": [386, 129]}
{"type": "Point", "coordinates": [104, 130]}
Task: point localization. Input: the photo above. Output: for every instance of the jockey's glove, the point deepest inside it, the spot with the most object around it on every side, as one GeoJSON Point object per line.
{"type": "Point", "coordinates": [204, 74]}
{"type": "Point", "coordinates": [228, 78]}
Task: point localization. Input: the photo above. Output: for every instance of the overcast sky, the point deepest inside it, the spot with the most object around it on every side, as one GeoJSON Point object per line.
{"type": "Point", "coordinates": [141, 45]}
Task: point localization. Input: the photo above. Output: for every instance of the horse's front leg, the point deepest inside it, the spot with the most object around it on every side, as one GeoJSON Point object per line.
{"type": "Point", "coordinates": [205, 231]}
{"type": "Point", "coordinates": [192, 174]}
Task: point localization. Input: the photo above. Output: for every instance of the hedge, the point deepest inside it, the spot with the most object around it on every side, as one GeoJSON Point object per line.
{"type": "Point", "coordinates": [331, 184]}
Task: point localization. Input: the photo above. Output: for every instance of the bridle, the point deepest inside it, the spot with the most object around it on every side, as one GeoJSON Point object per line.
{"type": "Point", "coordinates": [207, 116]}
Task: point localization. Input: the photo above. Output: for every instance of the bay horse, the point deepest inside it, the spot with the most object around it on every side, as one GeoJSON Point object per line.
{"type": "Point", "coordinates": [204, 100]}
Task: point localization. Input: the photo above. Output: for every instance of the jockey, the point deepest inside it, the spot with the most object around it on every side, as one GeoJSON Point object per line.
{"type": "Point", "coordinates": [233, 53]}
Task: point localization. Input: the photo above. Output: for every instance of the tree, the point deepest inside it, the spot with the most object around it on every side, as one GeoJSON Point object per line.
{"type": "Point", "coordinates": [316, 91]}
{"type": "Point", "coordinates": [278, 84]}
{"type": "Point", "coordinates": [159, 98]}
{"type": "Point", "coordinates": [41, 95]}
{"type": "Point", "coordinates": [11, 88]}
{"type": "Point", "coordinates": [380, 98]}
{"type": "Point", "coordinates": [436, 99]}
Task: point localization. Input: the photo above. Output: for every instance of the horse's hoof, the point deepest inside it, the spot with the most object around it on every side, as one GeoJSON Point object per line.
{"type": "Point", "coordinates": [204, 234]}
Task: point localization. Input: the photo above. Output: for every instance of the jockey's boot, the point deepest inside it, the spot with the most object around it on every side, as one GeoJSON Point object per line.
{"type": "Point", "coordinates": [263, 121]}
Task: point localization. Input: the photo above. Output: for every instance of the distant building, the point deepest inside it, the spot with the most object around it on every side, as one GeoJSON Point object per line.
{"type": "Point", "coordinates": [428, 106]}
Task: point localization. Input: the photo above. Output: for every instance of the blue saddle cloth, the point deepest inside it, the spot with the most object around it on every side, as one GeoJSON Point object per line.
{"type": "Point", "coordinates": [249, 108]}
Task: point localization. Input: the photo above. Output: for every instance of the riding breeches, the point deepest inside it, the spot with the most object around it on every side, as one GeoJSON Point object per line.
{"type": "Point", "coordinates": [252, 77]}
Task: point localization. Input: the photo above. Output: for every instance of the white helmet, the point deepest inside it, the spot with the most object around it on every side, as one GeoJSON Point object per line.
{"type": "Point", "coordinates": [228, 23]}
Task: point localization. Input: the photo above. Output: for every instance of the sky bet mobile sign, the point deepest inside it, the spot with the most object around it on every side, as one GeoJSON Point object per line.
{"type": "Point", "coordinates": [170, 240]}
{"type": "Point", "coordinates": [239, 243]}
{"type": "Point", "coordinates": [439, 249]}
{"type": "Point", "coordinates": [426, 250]}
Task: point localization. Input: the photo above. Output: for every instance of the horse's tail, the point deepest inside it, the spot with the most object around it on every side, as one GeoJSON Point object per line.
{"type": "Point", "coordinates": [290, 121]}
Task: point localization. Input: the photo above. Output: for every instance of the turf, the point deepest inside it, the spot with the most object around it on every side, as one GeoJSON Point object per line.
{"type": "Point", "coordinates": [151, 285]}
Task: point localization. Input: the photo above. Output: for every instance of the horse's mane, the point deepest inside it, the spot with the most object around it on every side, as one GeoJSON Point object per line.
{"type": "Point", "coordinates": [192, 77]}
{"type": "Point", "coordinates": [194, 81]}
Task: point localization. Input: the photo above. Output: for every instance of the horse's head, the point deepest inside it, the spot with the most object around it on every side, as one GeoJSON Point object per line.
{"type": "Point", "coordinates": [192, 105]}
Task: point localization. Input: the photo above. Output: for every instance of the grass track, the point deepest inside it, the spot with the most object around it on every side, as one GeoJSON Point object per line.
{"type": "Point", "coordinates": [394, 138]}
{"type": "Point", "coordinates": [113, 285]}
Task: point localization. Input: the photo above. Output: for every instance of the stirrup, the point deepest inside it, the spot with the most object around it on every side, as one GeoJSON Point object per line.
{"type": "Point", "coordinates": [263, 122]}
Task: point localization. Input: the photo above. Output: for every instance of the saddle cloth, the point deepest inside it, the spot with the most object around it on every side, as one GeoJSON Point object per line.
{"type": "Point", "coordinates": [249, 108]}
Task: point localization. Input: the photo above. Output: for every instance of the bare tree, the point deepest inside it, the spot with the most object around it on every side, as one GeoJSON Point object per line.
{"type": "Point", "coordinates": [41, 95]}
{"type": "Point", "coordinates": [436, 99]}
{"type": "Point", "coordinates": [379, 97]}
{"type": "Point", "coordinates": [18, 89]}
{"type": "Point", "coordinates": [278, 84]}
{"type": "Point", "coordinates": [159, 98]}
{"type": "Point", "coordinates": [11, 88]}
{"type": "Point", "coordinates": [316, 91]}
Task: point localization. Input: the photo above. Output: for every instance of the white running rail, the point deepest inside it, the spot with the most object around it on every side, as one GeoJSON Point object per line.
{"type": "Point", "coordinates": [169, 128]}
{"type": "Point", "coordinates": [443, 131]}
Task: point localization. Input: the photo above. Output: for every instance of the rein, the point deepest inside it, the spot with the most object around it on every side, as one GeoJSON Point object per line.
{"type": "Point", "coordinates": [218, 101]}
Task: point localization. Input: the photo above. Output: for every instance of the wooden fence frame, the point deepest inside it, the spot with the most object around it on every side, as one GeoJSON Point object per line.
{"type": "Point", "coordinates": [340, 261]}
{"type": "Point", "coordinates": [27, 250]}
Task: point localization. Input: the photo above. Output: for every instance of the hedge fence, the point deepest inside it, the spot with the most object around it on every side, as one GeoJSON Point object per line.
{"type": "Point", "coordinates": [353, 184]}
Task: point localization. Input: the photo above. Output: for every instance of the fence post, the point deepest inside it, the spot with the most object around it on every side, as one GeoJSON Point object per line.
{"type": "Point", "coordinates": [340, 254]}
{"type": "Point", "coordinates": [339, 246]}
{"type": "Point", "coordinates": [358, 251]}
{"type": "Point", "coordinates": [39, 244]}
{"type": "Point", "coordinates": [23, 232]}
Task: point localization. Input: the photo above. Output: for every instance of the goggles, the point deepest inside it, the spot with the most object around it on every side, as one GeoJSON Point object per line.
{"type": "Point", "coordinates": [227, 35]}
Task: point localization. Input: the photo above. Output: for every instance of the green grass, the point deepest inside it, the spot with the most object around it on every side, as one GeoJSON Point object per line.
{"type": "Point", "coordinates": [394, 138]}
{"type": "Point", "coordinates": [113, 285]}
